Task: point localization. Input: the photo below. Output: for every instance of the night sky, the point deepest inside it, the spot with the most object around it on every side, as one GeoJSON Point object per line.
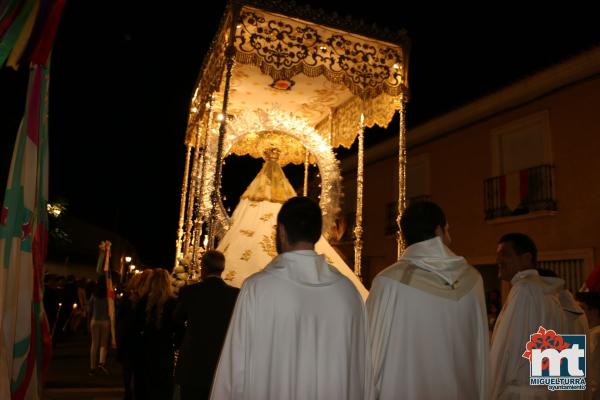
{"type": "Point", "coordinates": [123, 74]}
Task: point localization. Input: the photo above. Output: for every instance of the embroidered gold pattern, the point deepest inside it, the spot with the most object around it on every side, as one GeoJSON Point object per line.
{"type": "Point", "coordinates": [230, 276]}
{"type": "Point", "coordinates": [266, 217]}
{"type": "Point", "coordinates": [268, 244]}
{"type": "Point", "coordinates": [284, 48]}
{"type": "Point", "coordinates": [246, 255]}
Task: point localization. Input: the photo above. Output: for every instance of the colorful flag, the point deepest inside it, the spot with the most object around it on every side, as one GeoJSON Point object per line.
{"type": "Point", "coordinates": [514, 188]}
{"type": "Point", "coordinates": [27, 30]}
{"type": "Point", "coordinates": [24, 330]}
{"type": "Point", "coordinates": [18, 23]}
{"type": "Point", "coordinates": [101, 257]}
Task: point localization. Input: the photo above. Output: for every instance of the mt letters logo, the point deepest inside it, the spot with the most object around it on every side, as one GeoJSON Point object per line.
{"type": "Point", "coordinates": [556, 361]}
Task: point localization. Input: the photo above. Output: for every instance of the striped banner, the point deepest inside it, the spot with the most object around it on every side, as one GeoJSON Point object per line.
{"type": "Point", "coordinates": [24, 331]}
{"type": "Point", "coordinates": [27, 30]}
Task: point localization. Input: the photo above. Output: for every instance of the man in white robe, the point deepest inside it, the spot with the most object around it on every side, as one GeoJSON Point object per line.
{"type": "Point", "coordinates": [575, 321]}
{"type": "Point", "coordinates": [427, 318]}
{"type": "Point", "coordinates": [532, 302]}
{"type": "Point", "coordinates": [298, 330]}
{"type": "Point", "coordinates": [590, 302]}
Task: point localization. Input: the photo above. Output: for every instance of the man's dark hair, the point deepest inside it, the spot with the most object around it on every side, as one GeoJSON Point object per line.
{"type": "Point", "coordinates": [301, 219]}
{"type": "Point", "coordinates": [522, 244]}
{"type": "Point", "coordinates": [213, 261]}
{"type": "Point", "coordinates": [419, 221]}
{"type": "Point", "coordinates": [100, 289]}
{"type": "Point", "coordinates": [591, 299]}
{"type": "Point", "coordinates": [547, 272]}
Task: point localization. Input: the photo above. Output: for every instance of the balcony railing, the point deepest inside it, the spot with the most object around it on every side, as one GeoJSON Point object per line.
{"type": "Point", "coordinates": [519, 193]}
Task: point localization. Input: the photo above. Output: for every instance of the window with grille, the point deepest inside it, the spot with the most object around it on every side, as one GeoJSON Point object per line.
{"type": "Point", "coordinates": [572, 271]}
{"type": "Point", "coordinates": [522, 179]}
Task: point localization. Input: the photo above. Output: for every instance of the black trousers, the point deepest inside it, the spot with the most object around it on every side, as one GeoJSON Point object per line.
{"type": "Point", "coordinates": [196, 391]}
{"type": "Point", "coordinates": [127, 380]}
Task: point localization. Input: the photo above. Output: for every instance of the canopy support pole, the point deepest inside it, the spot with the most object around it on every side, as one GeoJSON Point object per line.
{"type": "Point", "coordinates": [401, 173]}
{"type": "Point", "coordinates": [305, 191]}
{"type": "Point", "coordinates": [358, 228]}
{"type": "Point", "coordinates": [192, 194]}
{"type": "Point", "coordinates": [229, 61]}
{"type": "Point", "coordinates": [184, 194]}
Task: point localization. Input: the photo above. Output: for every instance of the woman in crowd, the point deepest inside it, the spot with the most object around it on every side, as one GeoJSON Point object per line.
{"type": "Point", "coordinates": [99, 327]}
{"type": "Point", "coordinates": [153, 349]}
{"type": "Point", "coordinates": [126, 331]}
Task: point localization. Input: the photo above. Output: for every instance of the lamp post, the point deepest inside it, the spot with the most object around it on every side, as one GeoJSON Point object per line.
{"type": "Point", "coordinates": [125, 268]}
{"type": "Point", "coordinates": [122, 270]}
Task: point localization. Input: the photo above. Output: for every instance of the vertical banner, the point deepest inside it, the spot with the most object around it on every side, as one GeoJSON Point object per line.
{"type": "Point", "coordinates": [23, 242]}
{"type": "Point", "coordinates": [27, 32]}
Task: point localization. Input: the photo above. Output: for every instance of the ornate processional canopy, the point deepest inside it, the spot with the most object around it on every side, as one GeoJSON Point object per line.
{"type": "Point", "coordinates": [298, 80]}
{"type": "Point", "coordinates": [318, 67]}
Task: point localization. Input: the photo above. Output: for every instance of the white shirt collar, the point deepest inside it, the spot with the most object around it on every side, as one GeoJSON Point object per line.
{"type": "Point", "coordinates": [524, 274]}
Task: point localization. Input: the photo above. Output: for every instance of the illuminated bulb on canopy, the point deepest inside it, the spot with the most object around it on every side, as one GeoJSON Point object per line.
{"type": "Point", "coordinates": [131, 267]}
{"type": "Point", "coordinates": [128, 259]}
{"type": "Point", "coordinates": [54, 210]}
{"type": "Point", "coordinates": [194, 109]}
{"type": "Point", "coordinates": [220, 117]}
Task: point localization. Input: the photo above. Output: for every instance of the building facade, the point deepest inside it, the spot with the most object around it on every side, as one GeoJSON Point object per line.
{"type": "Point", "coordinates": [523, 159]}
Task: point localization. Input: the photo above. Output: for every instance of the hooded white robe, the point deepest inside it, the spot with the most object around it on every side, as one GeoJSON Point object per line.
{"type": "Point", "coordinates": [593, 364]}
{"type": "Point", "coordinates": [428, 327]}
{"type": "Point", "coordinates": [532, 302]}
{"type": "Point", "coordinates": [298, 331]}
{"type": "Point", "coordinates": [575, 320]}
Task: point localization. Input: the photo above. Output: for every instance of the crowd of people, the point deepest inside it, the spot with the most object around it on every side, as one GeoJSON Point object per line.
{"type": "Point", "coordinates": [299, 329]}
{"type": "Point", "coordinates": [65, 302]}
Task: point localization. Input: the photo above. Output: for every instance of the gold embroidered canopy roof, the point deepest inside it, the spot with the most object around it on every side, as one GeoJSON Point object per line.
{"type": "Point", "coordinates": [316, 66]}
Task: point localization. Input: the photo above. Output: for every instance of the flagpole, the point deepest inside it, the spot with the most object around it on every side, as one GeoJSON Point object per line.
{"type": "Point", "coordinates": [64, 328]}
{"type": "Point", "coordinates": [56, 319]}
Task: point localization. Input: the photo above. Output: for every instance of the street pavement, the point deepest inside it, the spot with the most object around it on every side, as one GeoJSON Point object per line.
{"type": "Point", "coordinates": [68, 377]}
